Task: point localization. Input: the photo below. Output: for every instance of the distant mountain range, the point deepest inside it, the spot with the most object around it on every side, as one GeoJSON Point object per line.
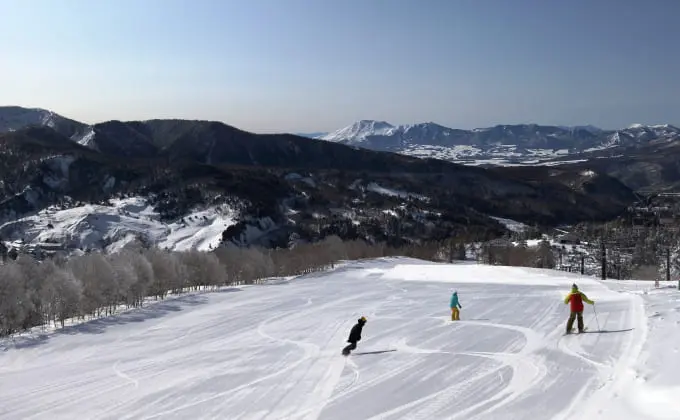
{"type": "Point", "coordinates": [285, 187]}
{"type": "Point", "coordinates": [501, 144]}
{"type": "Point", "coordinates": [498, 145]}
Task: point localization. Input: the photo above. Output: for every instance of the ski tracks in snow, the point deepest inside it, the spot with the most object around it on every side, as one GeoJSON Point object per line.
{"type": "Point", "coordinates": [274, 352]}
{"type": "Point", "coordinates": [123, 375]}
{"type": "Point", "coordinates": [327, 370]}
{"type": "Point", "coordinates": [435, 404]}
{"type": "Point", "coordinates": [613, 378]}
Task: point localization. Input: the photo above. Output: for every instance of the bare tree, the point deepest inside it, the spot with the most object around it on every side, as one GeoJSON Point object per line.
{"type": "Point", "coordinates": [168, 273]}
{"type": "Point", "coordinates": [99, 289]}
{"type": "Point", "coordinates": [545, 258]}
{"type": "Point", "coordinates": [13, 299]}
{"type": "Point", "coordinates": [62, 293]}
{"type": "Point", "coordinates": [144, 274]}
{"type": "Point", "coordinates": [95, 284]}
{"type": "Point", "coordinates": [203, 269]}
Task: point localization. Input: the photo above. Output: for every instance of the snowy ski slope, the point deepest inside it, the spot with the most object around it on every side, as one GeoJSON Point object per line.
{"type": "Point", "coordinates": [273, 352]}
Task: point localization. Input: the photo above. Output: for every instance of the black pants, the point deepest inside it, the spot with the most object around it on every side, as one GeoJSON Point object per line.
{"type": "Point", "coordinates": [352, 346]}
{"type": "Point", "coordinates": [572, 317]}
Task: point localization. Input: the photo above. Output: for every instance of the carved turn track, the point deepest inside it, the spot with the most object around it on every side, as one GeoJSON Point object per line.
{"type": "Point", "coordinates": [273, 352]}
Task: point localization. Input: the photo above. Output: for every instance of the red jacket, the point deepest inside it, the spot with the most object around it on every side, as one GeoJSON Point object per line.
{"type": "Point", "coordinates": [576, 299]}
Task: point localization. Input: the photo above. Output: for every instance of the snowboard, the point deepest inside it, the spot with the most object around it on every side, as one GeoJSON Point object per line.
{"type": "Point", "coordinates": [359, 353]}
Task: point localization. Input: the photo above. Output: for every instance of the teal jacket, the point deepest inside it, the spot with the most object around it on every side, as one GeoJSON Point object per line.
{"type": "Point", "coordinates": [454, 301]}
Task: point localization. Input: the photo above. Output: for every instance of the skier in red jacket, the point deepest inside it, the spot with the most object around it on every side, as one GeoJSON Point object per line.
{"type": "Point", "coordinates": [576, 298]}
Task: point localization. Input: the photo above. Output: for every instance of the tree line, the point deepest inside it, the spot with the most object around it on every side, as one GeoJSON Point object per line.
{"type": "Point", "coordinates": [48, 293]}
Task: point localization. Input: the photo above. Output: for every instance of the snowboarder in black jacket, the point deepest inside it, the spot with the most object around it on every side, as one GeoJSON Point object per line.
{"type": "Point", "coordinates": [354, 336]}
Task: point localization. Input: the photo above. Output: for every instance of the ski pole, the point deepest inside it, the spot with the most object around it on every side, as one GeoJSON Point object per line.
{"type": "Point", "coordinates": [596, 320]}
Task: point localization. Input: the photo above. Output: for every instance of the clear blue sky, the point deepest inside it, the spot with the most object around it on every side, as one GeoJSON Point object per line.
{"type": "Point", "coordinates": [318, 65]}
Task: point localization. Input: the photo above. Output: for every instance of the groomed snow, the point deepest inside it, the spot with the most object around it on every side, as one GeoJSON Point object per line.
{"type": "Point", "coordinates": [272, 352]}
{"type": "Point", "coordinates": [113, 226]}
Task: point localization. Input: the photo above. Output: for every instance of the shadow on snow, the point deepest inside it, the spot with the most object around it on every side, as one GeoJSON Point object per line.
{"type": "Point", "coordinates": [152, 310]}
{"type": "Point", "coordinates": [374, 352]}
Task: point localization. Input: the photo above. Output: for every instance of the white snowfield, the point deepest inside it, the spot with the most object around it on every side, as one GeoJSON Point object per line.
{"type": "Point", "coordinates": [273, 351]}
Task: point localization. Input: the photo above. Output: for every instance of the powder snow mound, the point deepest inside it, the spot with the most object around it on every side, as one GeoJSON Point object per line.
{"type": "Point", "coordinates": [112, 227]}
{"type": "Point", "coordinates": [274, 352]}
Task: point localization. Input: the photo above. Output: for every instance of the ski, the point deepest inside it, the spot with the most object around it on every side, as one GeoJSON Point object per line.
{"type": "Point", "coordinates": [571, 332]}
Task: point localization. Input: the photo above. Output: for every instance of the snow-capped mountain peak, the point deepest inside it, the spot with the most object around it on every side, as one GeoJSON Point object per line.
{"type": "Point", "coordinates": [646, 133]}
{"type": "Point", "coordinates": [665, 126]}
{"type": "Point", "coordinates": [652, 127]}
{"type": "Point", "coordinates": [531, 142]}
{"type": "Point", "coordinates": [423, 126]}
{"type": "Point", "coordinates": [360, 131]}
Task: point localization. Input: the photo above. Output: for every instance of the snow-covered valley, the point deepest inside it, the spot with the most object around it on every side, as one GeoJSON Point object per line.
{"type": "Point", "coordinates": [273, 351]}
{"type": "Point", "coordinates": [499, 155]}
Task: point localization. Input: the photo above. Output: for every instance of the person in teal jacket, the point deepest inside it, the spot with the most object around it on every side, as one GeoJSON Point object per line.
{"type": "Point", "coordinates": [455, 312]}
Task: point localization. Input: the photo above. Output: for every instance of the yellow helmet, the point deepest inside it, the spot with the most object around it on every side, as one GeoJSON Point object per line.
{"type": "Point", "coordinates": [363, 318]}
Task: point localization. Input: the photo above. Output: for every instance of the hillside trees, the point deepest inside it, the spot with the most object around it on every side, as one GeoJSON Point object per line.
{"type": "Point", "coordinates": [623, 251]}
{"type": "Point", "coordinates": [503, 252]}
{"type": "Point", "coordinates": [50, 292]}
{"type": "Point", "coordinates": [14, 305]}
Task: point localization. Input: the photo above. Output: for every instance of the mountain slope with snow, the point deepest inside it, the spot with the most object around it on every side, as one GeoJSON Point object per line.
{"type": "Point", "coordinates": [14, 118]}
{"type": "Point", "coordinates": [359, 131]}
{"type": "Point", "coordinates": [501, 144]}
{"type": "Point", "coordinates": [200, 161]}
{"type": "Point", "coordinates": [111, 227]}
{"type": "Point", "coordinates": [274, 351]}
{"type": "Point", "coordinates": [202, 140]}
{"type": "Point", "coordinates": [312, 135]}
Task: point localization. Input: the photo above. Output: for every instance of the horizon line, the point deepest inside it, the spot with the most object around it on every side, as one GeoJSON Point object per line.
{"type": "Point", "coordinates": [307, 132]}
